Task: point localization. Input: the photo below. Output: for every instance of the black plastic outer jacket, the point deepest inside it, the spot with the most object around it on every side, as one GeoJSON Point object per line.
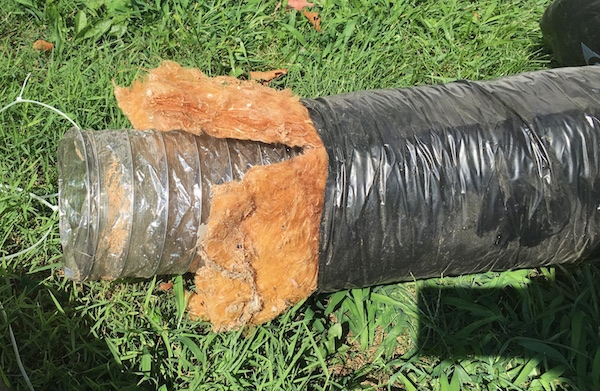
{"type": "Point", "coordinates": [459, 178]}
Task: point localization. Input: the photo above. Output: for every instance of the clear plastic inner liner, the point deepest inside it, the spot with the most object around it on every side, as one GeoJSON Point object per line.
{"type": "Point", "coordinates": [136, 203]}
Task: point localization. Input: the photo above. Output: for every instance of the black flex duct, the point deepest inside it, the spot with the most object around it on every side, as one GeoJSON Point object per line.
{"type": "Point", "coordinates": [570, 29]}
{"type": "Point", "coordinates": [459, 178]}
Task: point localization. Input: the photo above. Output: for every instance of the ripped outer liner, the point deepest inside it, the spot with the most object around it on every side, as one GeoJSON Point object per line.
{"type": "Point", "coordinates": [459, 178]}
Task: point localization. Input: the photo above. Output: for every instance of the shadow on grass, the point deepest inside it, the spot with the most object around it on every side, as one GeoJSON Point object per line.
{"type": "Point", "coordinates": [458, 322]}
{"type": "Point", "coordinates": [55, 342]}
{"type": "Point", "coordinates": [554, 319]}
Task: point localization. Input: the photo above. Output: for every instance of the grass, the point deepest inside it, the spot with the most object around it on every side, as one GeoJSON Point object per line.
{"type": "Point", "coordinates": [521, 330]}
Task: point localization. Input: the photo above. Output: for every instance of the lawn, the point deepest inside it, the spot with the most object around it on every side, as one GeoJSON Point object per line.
{"type": "Point", "coordinates": [518, 330]}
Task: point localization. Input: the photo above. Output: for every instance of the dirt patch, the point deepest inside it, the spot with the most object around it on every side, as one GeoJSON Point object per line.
{"type": "Point", "coordinates": [355, 359]}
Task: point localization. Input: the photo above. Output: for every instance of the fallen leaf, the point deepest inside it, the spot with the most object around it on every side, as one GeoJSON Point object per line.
{"type": "Point", "coordinates": [42, 45]}
{"type": "Point", "coordinates": [313, 18]}
{"type": "Point", "coordinates": [265, 77]}
{"type": "Point", "coordinates": [165, 286]}
{"type": "Point", "coordinates": [299, 4]}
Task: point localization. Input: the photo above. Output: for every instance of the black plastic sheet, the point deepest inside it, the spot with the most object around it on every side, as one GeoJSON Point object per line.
{"type": "Point", "coordinates": [459, 178]}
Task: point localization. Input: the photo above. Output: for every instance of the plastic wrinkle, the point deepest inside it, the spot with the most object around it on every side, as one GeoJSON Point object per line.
{"type": "Point", "coordinates": [459, 178]}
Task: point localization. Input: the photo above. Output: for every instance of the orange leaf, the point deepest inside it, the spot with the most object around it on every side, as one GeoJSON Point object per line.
{"type": "Point", "coordinates": [265, 77]}
{"type": "Point", "coordinates": [299, 4]}
{"type": "Point", "coordinates": [313, 18]}
{"type": "Point", "coordinates": [165, 286]}
{"type": "Point", "coordinates": [42, 45]}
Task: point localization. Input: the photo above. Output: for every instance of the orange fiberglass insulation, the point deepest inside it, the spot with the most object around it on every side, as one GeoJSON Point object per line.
{"type": "Point", "coordinates": [261, 248]}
